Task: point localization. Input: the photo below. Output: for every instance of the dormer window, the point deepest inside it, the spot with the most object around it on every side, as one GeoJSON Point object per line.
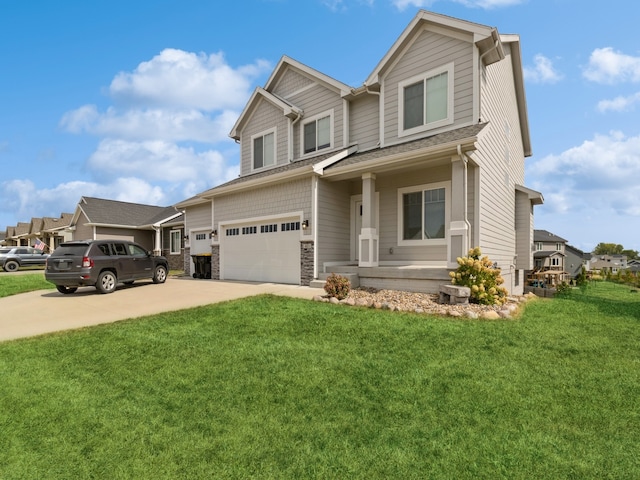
{"type": "Point", "coordinates": [426, 101]}
{"type": "Point", "coordinates": [264, 149]}
{"type": "Point", "coordinates": [317, 133]}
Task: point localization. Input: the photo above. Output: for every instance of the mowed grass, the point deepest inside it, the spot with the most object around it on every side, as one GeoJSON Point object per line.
{"type": "Point", "coordinates": [12, 284]}
{"type": "Point", "coordinates": [273, 387]}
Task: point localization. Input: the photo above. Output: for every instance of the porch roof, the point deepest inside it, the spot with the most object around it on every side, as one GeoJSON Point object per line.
{"type": "Point", "coordinates": [399, 152]}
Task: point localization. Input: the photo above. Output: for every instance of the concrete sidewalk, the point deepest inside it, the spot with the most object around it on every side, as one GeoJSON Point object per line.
{"type": "Point", "coordinates": [46, 311]}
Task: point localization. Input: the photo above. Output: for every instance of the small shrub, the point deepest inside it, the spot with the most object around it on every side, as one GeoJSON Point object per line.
{"type": "Point", "coordinates": [337, 286]}
{"type": "Point", "coordinates": [563, 289]}
{"type": "Point", "coordinates": [477, 273]}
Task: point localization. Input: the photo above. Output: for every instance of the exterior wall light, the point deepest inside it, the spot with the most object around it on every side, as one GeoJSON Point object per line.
{"type": "Point", "coordinates": [305, 224]}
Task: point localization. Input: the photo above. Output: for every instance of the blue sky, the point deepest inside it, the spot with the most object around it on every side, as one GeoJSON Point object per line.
{"type": "Point", "coordinates": [133, 100]}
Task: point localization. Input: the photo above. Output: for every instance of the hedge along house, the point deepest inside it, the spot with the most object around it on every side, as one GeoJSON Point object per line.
{"type": "Point", "coordinates": [388, 182]}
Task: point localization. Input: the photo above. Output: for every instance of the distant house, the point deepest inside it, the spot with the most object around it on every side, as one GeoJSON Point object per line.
{"type": "Point", "coordinates": [388, 182]}
{"type": "Point", "coordinates": [609, 263]}
{"type": "Point", "coordinates": [159, 229]}
{"type": "Point", "coordinates": [575, 259]}
{"type": "Point", "coordinates": [549, 251]}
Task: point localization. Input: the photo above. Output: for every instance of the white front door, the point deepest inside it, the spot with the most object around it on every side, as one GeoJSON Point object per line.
{"type": "Point", "coordinates": [356, 223]}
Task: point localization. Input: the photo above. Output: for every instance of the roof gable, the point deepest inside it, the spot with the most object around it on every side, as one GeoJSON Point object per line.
{"type": "Point", "coordinates": [99, 211]}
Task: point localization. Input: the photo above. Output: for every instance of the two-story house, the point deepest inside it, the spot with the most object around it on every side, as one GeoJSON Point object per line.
{"type": "Point", "coordinates": [611, 264]}
{"type": "Point", "coordinates": [549, 251]}
{"type": "Point", "coordinates": [389, 181]}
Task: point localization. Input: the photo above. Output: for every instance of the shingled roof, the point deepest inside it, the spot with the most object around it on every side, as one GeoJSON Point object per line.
{"type": "Point", "coordinates": [100, 211]}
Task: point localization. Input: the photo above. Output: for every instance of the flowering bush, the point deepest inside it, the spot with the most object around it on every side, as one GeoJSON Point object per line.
{"type": "Point", "coordinates": [337, 286]}
{"type": "Point", "coordinates": [478, 273]}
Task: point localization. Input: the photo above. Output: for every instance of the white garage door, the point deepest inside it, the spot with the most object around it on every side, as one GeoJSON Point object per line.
{"type": "Point", "coordinates": [200, 242]}
{"type": "Point", "coordinates": [262, 251]}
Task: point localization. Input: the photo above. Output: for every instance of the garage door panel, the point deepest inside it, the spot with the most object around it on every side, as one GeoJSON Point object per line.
{"type": "Point", "coordinates": [272, 256]}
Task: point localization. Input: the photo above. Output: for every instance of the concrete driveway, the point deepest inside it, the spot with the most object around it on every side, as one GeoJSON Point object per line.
{"type": "Point", "coordinates": [46, 311]}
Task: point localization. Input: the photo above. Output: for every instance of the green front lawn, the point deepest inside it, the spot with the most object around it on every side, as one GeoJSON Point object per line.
{"type": "Point", "coordinates": [12, 284]}
{"type": "Point", "coordinates": [274, 387]}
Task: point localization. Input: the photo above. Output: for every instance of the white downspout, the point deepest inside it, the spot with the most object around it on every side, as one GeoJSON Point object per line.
{"type": "Point", "coordinates": [315, 227]}
{"type": "Point", "coordinates": [465, 213]}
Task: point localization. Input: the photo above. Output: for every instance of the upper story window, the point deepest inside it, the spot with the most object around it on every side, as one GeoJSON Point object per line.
{"type": "Point", "coordinates": [539, 246]}
{"type": "Point", "coordinates": [559, 247]}
{"type": "Point", "coordinates": [423, 214]}
{"type": "Point", "coordinates": [426, 101]}
{"type": "Point", "coordinates": [263, 147]}
{"type": "Point", "coordinates": [317, 133]}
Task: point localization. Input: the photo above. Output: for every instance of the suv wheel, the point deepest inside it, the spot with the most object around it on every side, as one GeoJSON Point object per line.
{"type": "Point", "coordinates": [160, 274]}
{"type": "Point", "coordinates": [106, 282]}
{"type": "Point", "coordinates": [66, 290]}
{"type": "Point", "coordinates": [11, 266]}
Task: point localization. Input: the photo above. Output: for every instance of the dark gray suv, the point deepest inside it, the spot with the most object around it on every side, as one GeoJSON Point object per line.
{"type": "Point", "coordinates": [103, 264]}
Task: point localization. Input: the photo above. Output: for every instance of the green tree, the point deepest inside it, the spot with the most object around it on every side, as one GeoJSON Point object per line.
{"type": "Point", "coordinates": [608, 249]}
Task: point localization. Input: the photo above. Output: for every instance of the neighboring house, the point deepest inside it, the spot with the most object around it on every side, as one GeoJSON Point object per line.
{"type": "Point", "coordinates": [389, 182]}
{"type": "Point", "coordinates": [575, 259]}
{"type": "Point", "coordinates": [609, 263]}
{"type": "Point", "coordinates": [156, 228]}
{"type": "Point", "coordinates": [56, 230]}
{"type": "Point", "coordinates": [549, 251]}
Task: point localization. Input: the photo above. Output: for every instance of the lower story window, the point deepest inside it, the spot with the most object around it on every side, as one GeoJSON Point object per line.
{"type": "Point", "coordinates": [423, 213]}
{"type": "Point", "coordinates": [175, 242]}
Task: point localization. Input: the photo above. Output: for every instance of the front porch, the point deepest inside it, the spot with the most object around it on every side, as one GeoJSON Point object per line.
{"type": "Point", "coordinates": [408, 278]}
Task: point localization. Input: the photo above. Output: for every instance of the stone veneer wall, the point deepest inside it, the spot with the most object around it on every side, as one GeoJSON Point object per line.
{"type": "Point", "coordinates": [187, 261]}
{"type": "Point", "coordinates": [215, 262]}
{"type": "Point", "coordinates": [176, 262]}
{"type": "Point", "coordinates": [306, 262]}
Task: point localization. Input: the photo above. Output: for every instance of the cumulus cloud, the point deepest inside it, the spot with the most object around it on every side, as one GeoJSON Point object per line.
{"type": "Point", "coordinates": [136, 124]}
{"type": "Point", "coordinates": [486, 4]}
{"type": "Point", "coordinates": [619, 104]}
{"type": "Point", "coordinates": [542, 71]}
{"type": "Point", "coordinates": [599, 174]}
{"type": "Point", "coordinates": [609, 66]}
{"type": "Point", "coordinates": [186, 80]}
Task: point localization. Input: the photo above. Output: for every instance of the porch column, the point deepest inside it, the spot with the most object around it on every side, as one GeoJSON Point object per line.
{"type": "Point", "coordinates": [368, 238]}
{"type": "Point", "coordinates": [459, 229]}
{"type": "Point", "coordinates": [156, 248]}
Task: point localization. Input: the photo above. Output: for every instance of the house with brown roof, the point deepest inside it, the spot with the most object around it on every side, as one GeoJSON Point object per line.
{"type": "Point", "coordinates": [156, 228]}
{"type": "Point", "coordinates": [387, 182]}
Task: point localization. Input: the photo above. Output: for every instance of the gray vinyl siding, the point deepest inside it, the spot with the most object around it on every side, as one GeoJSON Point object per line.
{"type": "Point", "coordinates": [431, 50]}
{"type": "Point", "coordinates": [145, 238]}
{"type": "Point", "coordinates": [198, 217]}
{"type": "Point", "coordinates": [364, 122]}
{"type": "Point", "coordinates": [388, 210]}
{"type": "Point", "coordinates": [501, 158]}
{"type": "Point", "coordinates": [524, 231]}
{"type": "Point", "coordinates": [274, 200]}
{"type": "Point", "coordinates": [334, 222]}
{"type": "Point", "coordinates": [265, 116]}
{"type": "Point", "coordinates": [316, 100]}
{"type": "Point", "coordinates": [291, 81]}
{"type": "Point", "coordinates": [82, 231]}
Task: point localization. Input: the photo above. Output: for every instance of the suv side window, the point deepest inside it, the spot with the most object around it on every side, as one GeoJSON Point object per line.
{"type": "Point", "coordinates": [104, 248]}
{"type": "Point", "coordinates": [22, 251]}
{"type": "Point", "coordinates": [137, 250]}
{"type": "Point", "coordinates": [120, 249]}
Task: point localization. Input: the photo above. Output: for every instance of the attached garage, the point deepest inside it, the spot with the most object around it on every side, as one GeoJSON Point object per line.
{"type": "Point", "coordinates": [267, 251]}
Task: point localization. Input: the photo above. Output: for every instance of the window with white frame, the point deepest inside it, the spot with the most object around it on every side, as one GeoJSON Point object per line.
{"type": "Point", "coordinates": [555, 262]}
{"type": "Point", "coordinates": [559, 247]}
{"type": "Point", "coordinates": [263, 149]}
{"type": "Point", "coordinates": [539, 246]}
{"type": "Point", "coordinates": [426, 101]}
{"type": "Point", "coordinates": [317, 133]}
{"type": "Point", "coordinates": [175, 242]}
{"type": "Point", "coordinates": [422, 214]}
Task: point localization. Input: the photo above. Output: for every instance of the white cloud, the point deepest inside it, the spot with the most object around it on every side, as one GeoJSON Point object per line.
{"type": "Point", "coordinates": [619, 104]}
{"type": "Point", "coordinates": [542, 71]}
{"type": "Point", "coordinates": [486, 4]}
{"type": "Point", "coordinates": [186, 80]}
{"type": "Point", "coordinates": [599, 174]}
{"type": "Point", "coordinates": [136, 124]}
{"type": "Point", "coordinates": [159, 161]}
{"type": "Point", "coordinates": [609, 66]}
